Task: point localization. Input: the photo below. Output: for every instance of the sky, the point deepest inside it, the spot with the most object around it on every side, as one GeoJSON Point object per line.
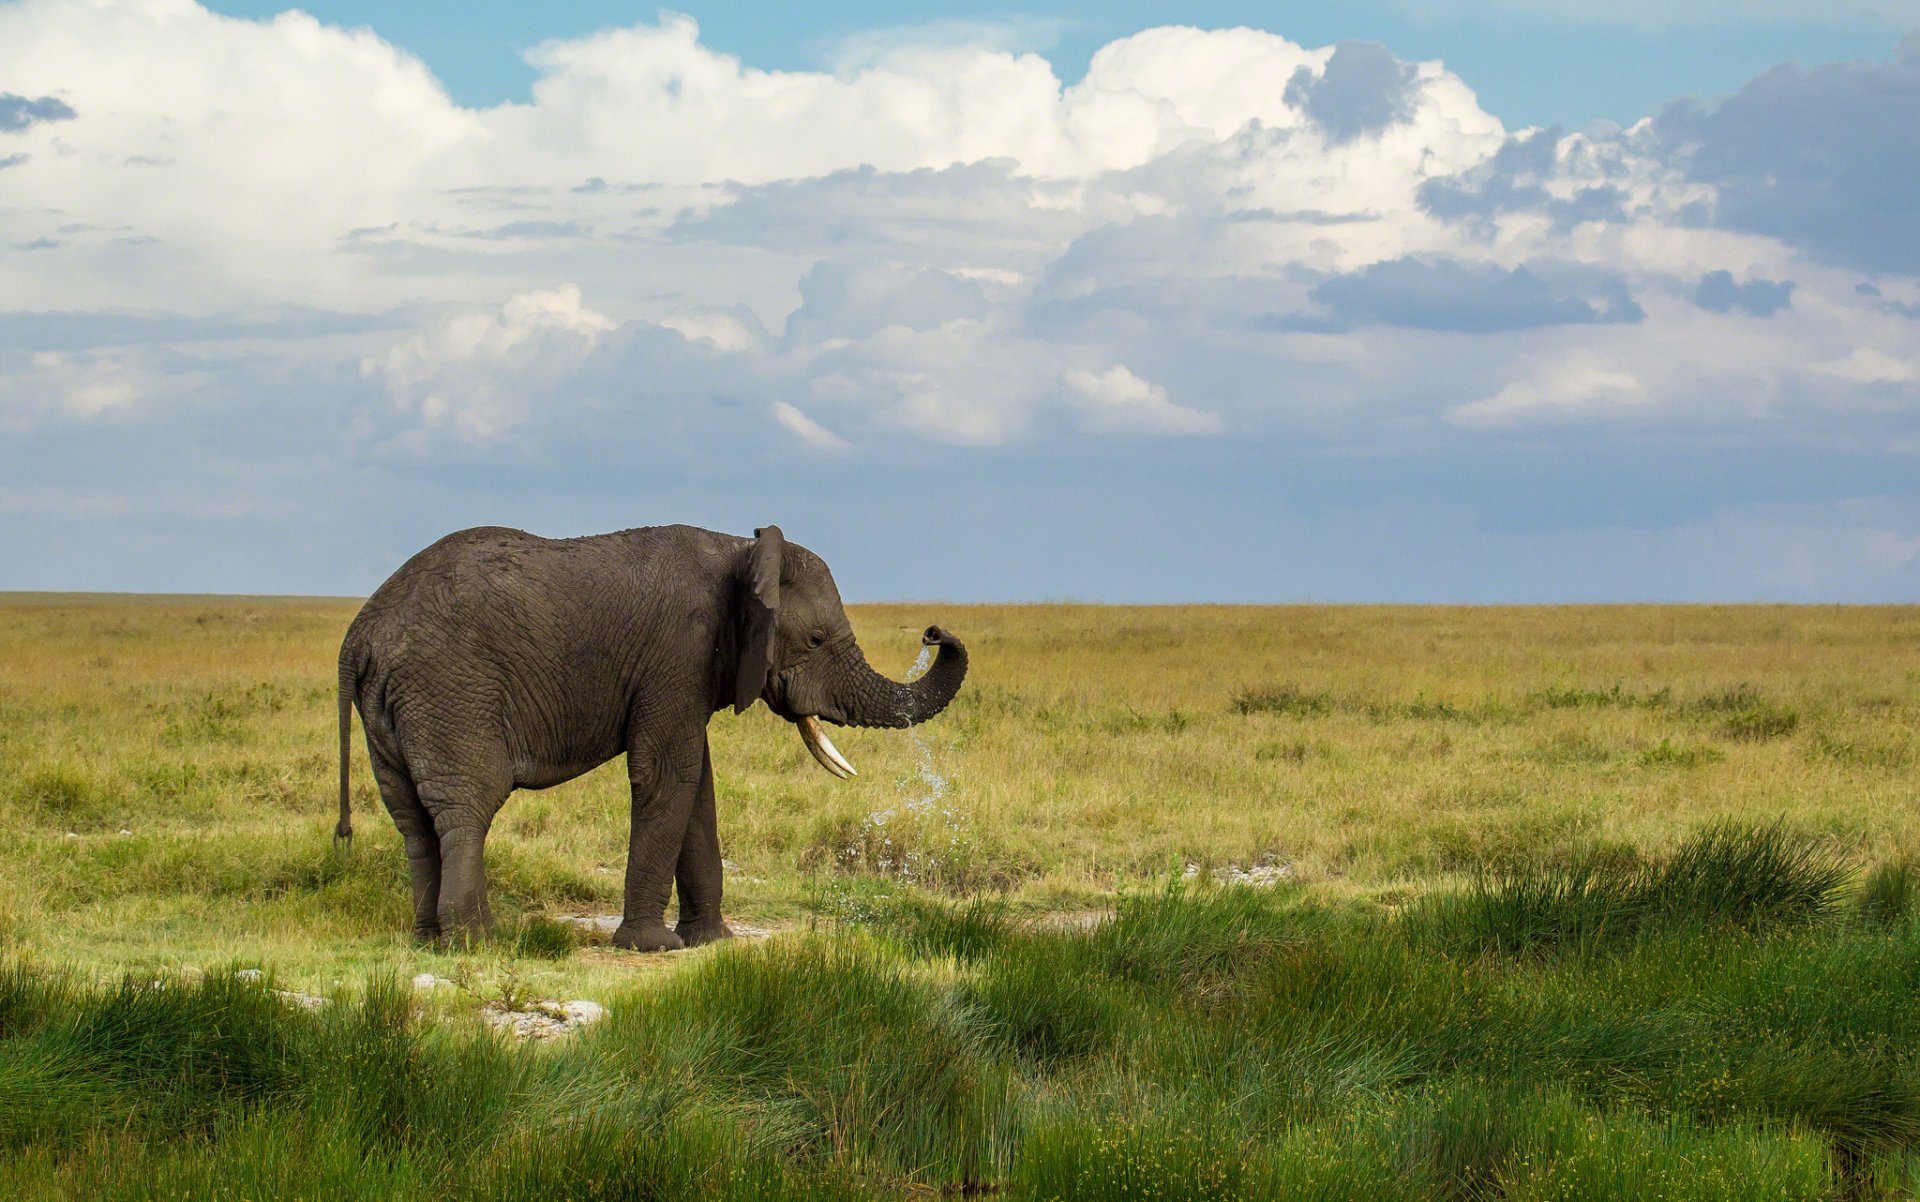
{"type": "Point", "coordinates": [1416, 300]}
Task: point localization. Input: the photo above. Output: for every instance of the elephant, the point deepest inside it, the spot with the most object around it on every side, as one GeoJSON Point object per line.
{"type": "Point", "coordinates": [497, 660]}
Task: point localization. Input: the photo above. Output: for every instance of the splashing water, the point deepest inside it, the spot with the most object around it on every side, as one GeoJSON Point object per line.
{"type": "Point", "coordinates": [920, 837]}
{"type": "Point", "coordinates": [920, 665]}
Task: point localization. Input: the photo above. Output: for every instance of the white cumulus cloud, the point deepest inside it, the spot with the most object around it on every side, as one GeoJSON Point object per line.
{"type": "Point", "coordinates": [1117, 401]}
{"type": "Point", "coordinates": [478, 374]}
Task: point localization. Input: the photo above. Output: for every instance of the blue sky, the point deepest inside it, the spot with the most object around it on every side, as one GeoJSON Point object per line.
{"type": "Point", "coordinates": [1530, 65]}
{"type": "Point", "coordinates": [1543, 300]}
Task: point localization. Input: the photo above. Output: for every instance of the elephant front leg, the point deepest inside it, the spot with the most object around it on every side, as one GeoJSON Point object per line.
{"type": "Point", "coordinates": [698, 875]}
{"type": "Point", "coordinates": [663, 800]}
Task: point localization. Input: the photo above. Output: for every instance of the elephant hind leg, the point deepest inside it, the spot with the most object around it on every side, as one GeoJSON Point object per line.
{"type": "Point", "coordinates": [463, 810]}
{"type": "Point", "coordinates": [420, 838]}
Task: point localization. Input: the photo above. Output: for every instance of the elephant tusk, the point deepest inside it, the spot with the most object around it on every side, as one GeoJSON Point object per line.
{"type": "Point", "coordinates": [823, 749]}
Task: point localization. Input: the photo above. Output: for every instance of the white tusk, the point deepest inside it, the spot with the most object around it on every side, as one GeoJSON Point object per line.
{"type": "Point", "coordinates": [823, 749]}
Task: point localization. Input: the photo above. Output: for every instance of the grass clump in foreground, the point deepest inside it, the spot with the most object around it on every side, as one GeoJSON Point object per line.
{"type": "Point", "coordinates": [1725, 875]}
{"type": "Point", "coordinates": [1204, 1042]}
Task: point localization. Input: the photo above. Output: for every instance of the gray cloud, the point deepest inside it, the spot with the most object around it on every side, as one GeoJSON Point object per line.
{"type": "Point", "coordinates": [17, 113]}
{"type": "Point", "coordinates": [1718, 293]}
{"type": "Point", "coordinates": [1445, 294]}
{"type": "Point", "coordinates": [1514, 180]}
{"type": "Point", "coordinates": [984, 211]}
{"type": "Point", "coordinates": [1362, 90]}
{"type": "Point", "coordinates": [65, 331]}
{"type": "Point", "coordinates": [839, 300]}
{"type": "Point", "coordinates": [1885, 304]}
{"type": "Point", "coordinates": [1824, 157]}
{"type": "Point", "coordinates": [518, 230]}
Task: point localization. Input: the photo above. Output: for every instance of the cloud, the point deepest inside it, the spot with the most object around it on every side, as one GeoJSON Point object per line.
{"type": "Point", "coordinates": [1361, 90]}
{"type": "Point", "coordinates": [839, 300]}
{"type": "Point", "coordinates": [18, 112]}
{"type": "Point", "coordinates": [1718, 293]}
{"type": "Point", "coordinates": [277, 251]}
{"type": "Point", "coordinates": [82, 385]}
{"type": "Point", "coordinates": [1659, 14]}
{"type": "Point", "coordinates": [1577, 391]}
{"type": "Point", "coordinates": [811, 432]}
{"type": "Point", "coordinates": [1445, 294]}
{"type": "Point", "coordinates": [1528, 175]}
{"type": "Point", "coordinates": [478, 374]}
{"type": "Point", "coordinates": [1824, 157]}
{"type": "Point", "coordinates": [1116, 401]}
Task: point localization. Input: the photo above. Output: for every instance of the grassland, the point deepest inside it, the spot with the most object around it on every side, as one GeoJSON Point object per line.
{"type": "Point", "coordinates": [1519, 952]}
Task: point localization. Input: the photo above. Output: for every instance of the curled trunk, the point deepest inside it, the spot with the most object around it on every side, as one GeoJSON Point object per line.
{"type": "Point", "coordinates": [869, 699]}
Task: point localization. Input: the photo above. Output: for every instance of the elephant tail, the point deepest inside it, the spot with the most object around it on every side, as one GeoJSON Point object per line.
{"type": "Point", "coordinates": [349, 683]}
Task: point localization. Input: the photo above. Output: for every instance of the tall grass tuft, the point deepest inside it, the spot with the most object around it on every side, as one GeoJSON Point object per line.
{"type": "Point", "coordinates": [1288, 699]}
{"type": "Point", "coordinates": [1078, 1160]}
{"type": "Point", "coordinates": [1750, 876]}
{"type": "Point", "coordinates": [603, 1160]}
{"type": "Point", "coordinates": [837, 1040]}
{"type": "Point", "coordinates": [1197, 938]}
{"type": "Point", "coordinates": [538, 937]}
{"type": "Point", "coordinates": [1887, 895]}
{"type": "Point", "coordinates": [1037, 998]}
{"type": "Point", "coordinates": [966, 930]}
{"type": "Point", "coordinates": [1743, 876]}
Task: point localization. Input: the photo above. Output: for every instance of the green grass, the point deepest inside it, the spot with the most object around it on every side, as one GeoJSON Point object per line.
{"type": "Point", "coordinates": [1580, 903]}
{"type": "Point", "coordinates": [1273, 1046]}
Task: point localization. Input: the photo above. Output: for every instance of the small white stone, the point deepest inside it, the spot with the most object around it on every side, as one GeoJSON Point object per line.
{"type": "Point", "coordinates": [72, 835]}
{"type": "Point", "coordinates": [427, 980]}
{"type": "Point", "coordinates": [248, 974]}
{"type": "Point", "coordinates": [605, 923]}
{"type": "Point", "coordinates": [125, 831]}
{"type": "Point", "coordinates": [543, 1020]}
{"type": "Point", "coordinates": [729, 866]}
{"type": "Point", "coordinates": [580, 1012]}
{"type": "Point", "coordinates": [306, 1001]}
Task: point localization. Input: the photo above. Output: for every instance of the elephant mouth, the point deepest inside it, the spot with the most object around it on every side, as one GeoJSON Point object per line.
{"type": "Point", "coordinates": [815, 737]}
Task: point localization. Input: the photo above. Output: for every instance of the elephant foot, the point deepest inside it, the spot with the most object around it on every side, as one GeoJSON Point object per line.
{"type": "Point", "coordinates": [647, 938]}
{"type": "Point", "coordinates": [698, 931]}
{"type": "Point", "coordinates": [462, 936]}
{"type": "Point", "coordinates": [426, 933]}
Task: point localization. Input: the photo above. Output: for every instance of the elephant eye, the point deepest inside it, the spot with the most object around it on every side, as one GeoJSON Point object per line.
{"type": "Point", "coordinates": [816, 638]}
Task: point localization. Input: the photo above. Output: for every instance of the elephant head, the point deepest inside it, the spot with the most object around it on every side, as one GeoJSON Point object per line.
{"type": "Point", "coordinates": [797, 653]}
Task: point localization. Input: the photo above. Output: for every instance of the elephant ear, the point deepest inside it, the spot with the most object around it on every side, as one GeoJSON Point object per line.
{"type": "Point", "coordinates": [759, 606]}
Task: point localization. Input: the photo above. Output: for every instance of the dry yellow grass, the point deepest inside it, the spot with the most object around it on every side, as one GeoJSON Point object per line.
{"type": "Point", "coordinates": [1372, 749]}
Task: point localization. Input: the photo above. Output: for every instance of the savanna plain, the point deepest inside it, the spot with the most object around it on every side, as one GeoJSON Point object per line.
{"type": "Point", "coordinates": [1175, 903]}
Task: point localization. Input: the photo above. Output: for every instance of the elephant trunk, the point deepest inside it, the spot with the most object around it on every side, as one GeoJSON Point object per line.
{"type": "Point", "coordinates": [869, 699]}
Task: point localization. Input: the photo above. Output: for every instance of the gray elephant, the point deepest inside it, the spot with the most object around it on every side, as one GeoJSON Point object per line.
{"type": "Point", "coordinates": [495, 660]}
